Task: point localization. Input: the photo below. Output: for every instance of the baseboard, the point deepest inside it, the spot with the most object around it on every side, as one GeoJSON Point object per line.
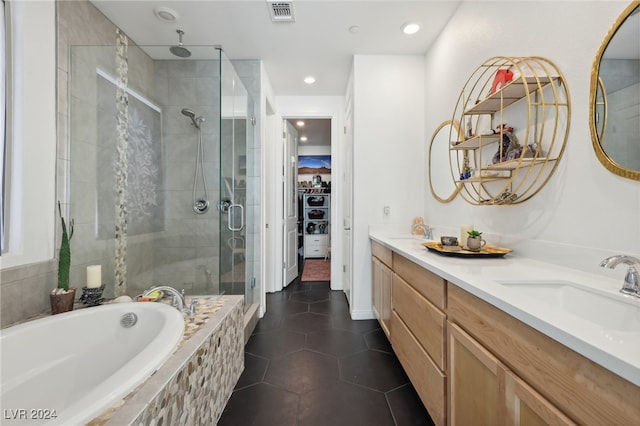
{"type": "Point", "coordinates": [250, 320]}
{"type": "Point", "coordinates": [363, 315]}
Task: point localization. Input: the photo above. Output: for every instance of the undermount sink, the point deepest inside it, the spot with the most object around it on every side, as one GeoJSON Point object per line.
{"type": "Point", "coordinates": [614, 312]}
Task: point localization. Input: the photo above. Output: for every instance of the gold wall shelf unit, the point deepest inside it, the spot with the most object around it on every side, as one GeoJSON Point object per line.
{"type": "Point", "coordinates": [536, 104]}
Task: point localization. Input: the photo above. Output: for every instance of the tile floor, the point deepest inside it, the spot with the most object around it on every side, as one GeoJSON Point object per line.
{"type": "Point", "coordinates": [308, 363]}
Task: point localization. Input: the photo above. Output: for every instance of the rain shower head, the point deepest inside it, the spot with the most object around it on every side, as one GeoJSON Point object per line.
{"type": "Point", "coordinates": [180, 50]}
{"type": "Point", "coordinates": [192, 115]}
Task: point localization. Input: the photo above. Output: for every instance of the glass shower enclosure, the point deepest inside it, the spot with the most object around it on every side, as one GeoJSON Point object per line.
{"type": "Point", "coordinates": [160, 151]}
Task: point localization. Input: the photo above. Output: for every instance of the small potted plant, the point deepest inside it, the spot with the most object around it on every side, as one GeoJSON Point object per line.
{"type": "Point", "coordinates": [62, 297]}
{"type": "Point", "coordinates": [475, 241]}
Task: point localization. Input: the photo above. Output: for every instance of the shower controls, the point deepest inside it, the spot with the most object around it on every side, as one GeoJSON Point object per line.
{"type": "Point", "coordinates": [200, 206]}
{"type": "Point", "coordinates": [224, 204]}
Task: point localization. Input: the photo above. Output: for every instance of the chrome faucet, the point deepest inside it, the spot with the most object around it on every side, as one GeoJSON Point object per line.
{"type": "Point", "coordinates": [178, 297]}
{"type": "Point", "coordinates": [631, 283]}
{"type": "Point", "coordinates": [427, 231]}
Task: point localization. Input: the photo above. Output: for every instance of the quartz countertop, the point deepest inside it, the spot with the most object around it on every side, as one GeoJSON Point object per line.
{"type": "Point", "coordinates": [616, 351]}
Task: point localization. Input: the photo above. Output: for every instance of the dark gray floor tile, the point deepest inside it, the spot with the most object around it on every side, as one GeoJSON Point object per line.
{"type": "Point", "coordinates": [254, 369]}
{"type": "Point", "coordinates": [310, 296]}
{"type": "Point", "coordinates": [261, 405]}
{"type": "Point", "coordinates": [374, 370]}
{"type": "Point", "coordinates": [275, 343]}
{"type": "Point", "coordinates": [407, 408]}
{"type": "Point", "coordinates": [306, 323]}
{"type": "Point", "coordinates": [344, 404]}
{"type": "Point", "coordinates": [345, 322]}
{"type": "Point", "coordinates": [336, 342]}
{"type": "Point", "coordinates": [269, 322]}
{"type": "Point", "coordinates": [291, 307]}
{"type": "Point", "coordinates": [377, 340]}
{"type": "Point", "coordinates": [302, 371]}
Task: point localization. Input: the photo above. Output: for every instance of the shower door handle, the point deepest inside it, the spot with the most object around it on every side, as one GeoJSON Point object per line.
{"type": "Point", "coordinates": [231, 222]}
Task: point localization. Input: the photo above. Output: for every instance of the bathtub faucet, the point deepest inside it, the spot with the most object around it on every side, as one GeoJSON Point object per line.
{"type": "Point", "coordinates": [178, 297]}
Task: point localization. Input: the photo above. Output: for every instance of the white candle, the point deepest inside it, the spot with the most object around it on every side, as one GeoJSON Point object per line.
{"type": "Point", "coordinates": [94, 276]}
{"type": "Point", "coordinates": [464, 229]}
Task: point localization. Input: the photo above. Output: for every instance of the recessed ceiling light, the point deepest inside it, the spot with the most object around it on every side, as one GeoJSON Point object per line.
{"type": "Point", "coordinates": [300, 123]}
{"type": "Point", "coordinates": [309, 79]}
{"type": "Point", "coordinates": [354, 29]}
{"type": "Point", "coordinates": [303, 138]}
{"type": "Point", "coordinates": [410, 28]}
{"type": "Point", "coordinates": [165, 14]}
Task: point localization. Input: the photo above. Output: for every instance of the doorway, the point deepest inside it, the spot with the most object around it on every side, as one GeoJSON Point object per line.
{"type": "Point", "coordinates": [311, 198]}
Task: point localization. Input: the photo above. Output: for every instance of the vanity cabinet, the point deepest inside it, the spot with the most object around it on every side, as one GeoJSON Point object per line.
{"type": "Point", "coordinates": [483, 391]}
{"type": "Point", "coordinates": [381, 274]}
{"type": "Point", "coordinates": [418, 324]}
{"type": "Point", "coordinates": [539, 380]}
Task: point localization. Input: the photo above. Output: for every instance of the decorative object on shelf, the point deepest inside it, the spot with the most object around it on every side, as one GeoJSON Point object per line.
{"type": "Point", "coordinates": [526, 158]}
{"type": "Point", "coordinates": [315, 201]}
{"type": "Point", "coordinates": [62, 297]}
{"type": "Point", "coordinates": [92, 296]}
{"type": "Point", "coordinates": [613, 72]}
{"type": "Point", "coordinates": [316, 214]}
{"type": "Point", "coordinates": [503, 76]}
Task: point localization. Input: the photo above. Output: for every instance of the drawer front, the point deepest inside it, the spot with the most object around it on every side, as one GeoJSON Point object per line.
{"type": "Point", "coordinates": [425, 282]}
{"type": "Point", "coordinates": [382, 253]}
{"type": "Point", "coordinates": [315, 251]}
{"type": "Point", "coordinates": [427, 323]}
{"type": "Point", "coordinates": [427, 379]}
{"type": "Point", "coordinates": [318, 240]}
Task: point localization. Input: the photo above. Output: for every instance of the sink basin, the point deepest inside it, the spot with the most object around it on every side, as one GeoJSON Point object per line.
{"type": "Point", "coordinates": [614, 312]}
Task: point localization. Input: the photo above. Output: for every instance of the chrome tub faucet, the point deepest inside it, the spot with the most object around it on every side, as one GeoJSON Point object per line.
{"type": "Point", "coordinates": [631, 283]}
{"type": "Point", "coordinates": [178, 297]}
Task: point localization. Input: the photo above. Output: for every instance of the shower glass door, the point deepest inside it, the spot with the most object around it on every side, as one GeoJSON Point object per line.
{"type": "Point", "coordinates": [236, 130]}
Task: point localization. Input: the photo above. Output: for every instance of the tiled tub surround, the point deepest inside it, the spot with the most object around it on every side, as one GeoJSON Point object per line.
{"type": "Point", "coordinates": [194, 385]}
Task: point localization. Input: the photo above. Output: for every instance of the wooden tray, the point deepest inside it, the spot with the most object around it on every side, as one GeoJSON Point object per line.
{"type": "Point", "coordinates": [487, 251]}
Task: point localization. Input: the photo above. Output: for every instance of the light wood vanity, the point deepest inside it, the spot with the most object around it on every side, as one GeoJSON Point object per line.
{"type": "Point", "coordinates": [472, 363]}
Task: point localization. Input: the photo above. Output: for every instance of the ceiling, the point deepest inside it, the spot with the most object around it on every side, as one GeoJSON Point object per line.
{"type": "Point", "coordinates": [316, 130]}
{"type": "Point", "coordinates": [318, 43]}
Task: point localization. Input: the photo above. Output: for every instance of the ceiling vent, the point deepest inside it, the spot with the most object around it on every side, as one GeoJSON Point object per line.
{"type": "Point", "coordinates": [281, 11]}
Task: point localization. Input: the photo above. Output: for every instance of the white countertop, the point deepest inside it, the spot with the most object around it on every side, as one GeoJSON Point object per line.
{"type": "Point", "coordinates": [617, 351]}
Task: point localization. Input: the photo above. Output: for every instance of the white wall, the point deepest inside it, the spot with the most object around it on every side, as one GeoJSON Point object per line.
{"type": "Point", "coordinates": [388, 156]}
{"type": "Point", "coordinates": [31, 214]}
{"type": "Point", "coordinates": [584, 208]}
{"type": "Point", "coordinates": [312, 107]}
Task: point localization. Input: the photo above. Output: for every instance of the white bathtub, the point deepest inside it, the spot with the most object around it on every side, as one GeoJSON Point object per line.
{"type": "Point", "coordinates": [68, 368]}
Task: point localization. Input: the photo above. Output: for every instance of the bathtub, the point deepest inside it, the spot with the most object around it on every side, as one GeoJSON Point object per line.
{"type": "Point", "coordinates": [68, 368]}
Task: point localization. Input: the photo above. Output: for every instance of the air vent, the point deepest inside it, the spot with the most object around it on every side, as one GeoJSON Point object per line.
{"type": "Point", "coordinates": [281, 11]}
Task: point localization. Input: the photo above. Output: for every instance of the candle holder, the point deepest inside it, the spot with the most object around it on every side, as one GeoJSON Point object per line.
{"type": "Point", "coordinates": [92, 296]}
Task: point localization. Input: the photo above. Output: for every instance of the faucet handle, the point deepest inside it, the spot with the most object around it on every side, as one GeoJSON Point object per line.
{"type": "Point", "coordinates": [631, 282]}
{"type": "Point", "coordinates": [192, 309]}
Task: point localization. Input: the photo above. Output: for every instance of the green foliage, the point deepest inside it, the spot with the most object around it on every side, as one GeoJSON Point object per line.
{"type": "Point", "coordinates": [64, 259]}
{"type": "Point", "coordinates": [474, 233]}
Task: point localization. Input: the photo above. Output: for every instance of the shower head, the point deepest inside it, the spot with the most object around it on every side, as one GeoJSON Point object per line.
{"type": "Point", "coordinates": [180, 50]}
{"type": "Point", "coordinates": [192, 115]}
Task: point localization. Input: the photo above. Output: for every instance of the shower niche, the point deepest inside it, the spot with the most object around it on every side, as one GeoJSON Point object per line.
{"type": "Point", "coordinates": [154, 145]}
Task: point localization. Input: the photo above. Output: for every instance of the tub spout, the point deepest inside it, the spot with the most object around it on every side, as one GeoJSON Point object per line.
{"type": "Point", "coordinates": [178, 297]}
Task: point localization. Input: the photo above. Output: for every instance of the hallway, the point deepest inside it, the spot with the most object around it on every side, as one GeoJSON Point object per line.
{"type": "Point", "coordinates": [308, 363]}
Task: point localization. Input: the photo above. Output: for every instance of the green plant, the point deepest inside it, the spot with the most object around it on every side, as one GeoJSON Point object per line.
{"type": "Point", "coordinates": [474, 234]}
{"type": "Point", "coordinates": [64, 259]}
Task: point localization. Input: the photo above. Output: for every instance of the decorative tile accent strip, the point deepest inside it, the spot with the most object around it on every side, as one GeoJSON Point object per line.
{"type": "Point", "coordinates": [122, 147]}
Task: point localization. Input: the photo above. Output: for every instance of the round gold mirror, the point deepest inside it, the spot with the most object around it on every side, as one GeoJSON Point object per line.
{"type": "Point", "coordinates": [443, 185]}
{"type": "Point", "coordinates": [614, 107]}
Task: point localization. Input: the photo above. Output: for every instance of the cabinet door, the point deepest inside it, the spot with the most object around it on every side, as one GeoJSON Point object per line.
{"type": "Point", "coordinates": [385, 298]}
{"type": "Point", "coordinates": [526, 407]}
{"type": "Point", "coordinates": [376, 295]}
{"type": "Point", "coordinates": [475, 381]}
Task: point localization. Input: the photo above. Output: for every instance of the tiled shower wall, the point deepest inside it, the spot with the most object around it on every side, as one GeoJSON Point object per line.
{"type": "Point", "coordinates": [24, 290]}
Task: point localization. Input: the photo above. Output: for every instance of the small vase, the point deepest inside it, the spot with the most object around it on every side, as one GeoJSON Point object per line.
{"type": "Point", "coordinates": [62, 302]}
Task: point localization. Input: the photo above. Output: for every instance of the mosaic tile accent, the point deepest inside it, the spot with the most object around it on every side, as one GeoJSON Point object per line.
{"type": "Point", "coordinates": [194, 385]}
{"type": "Point", "coordinates": [122, 148]}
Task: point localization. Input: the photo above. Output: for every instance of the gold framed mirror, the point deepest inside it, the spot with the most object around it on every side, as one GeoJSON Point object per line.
{"type": "Point", "coordinates": [614, 99]}
{"type": "Point", "coordinates": [443, 187]}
